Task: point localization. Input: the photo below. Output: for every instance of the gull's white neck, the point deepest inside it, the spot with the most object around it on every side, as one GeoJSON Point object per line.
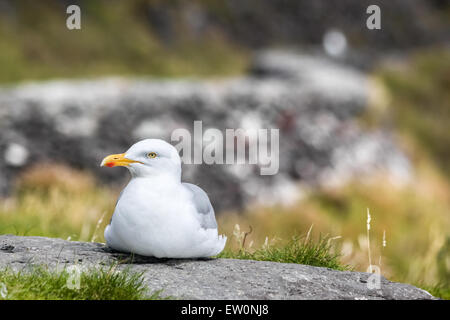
{"type": "Point", "coordinates": [171, 177]}
{"type": "Point", "coordinates": [159, 184]}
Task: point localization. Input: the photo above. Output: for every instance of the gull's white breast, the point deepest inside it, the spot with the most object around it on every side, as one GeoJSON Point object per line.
{"type": "Point", "coordinates": [157, 217]}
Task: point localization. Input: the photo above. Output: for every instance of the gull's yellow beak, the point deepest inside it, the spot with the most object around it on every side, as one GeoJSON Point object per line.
{"type": "Point", "coordinates": [117, 160]}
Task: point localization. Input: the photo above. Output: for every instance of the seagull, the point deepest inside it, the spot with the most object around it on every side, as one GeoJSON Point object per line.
{"type": "Point", "coordinates": [156, 214]}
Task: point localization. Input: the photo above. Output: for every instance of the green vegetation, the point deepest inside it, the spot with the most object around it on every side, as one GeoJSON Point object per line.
{"type": "Point", "coordinates": [114, 40]}
{"type": "Point", "coordinates": [439, 291]}
{"type": "Point", "coordinates": [39, 283]}
{"type": "Point", "coordinates": [302, 250]}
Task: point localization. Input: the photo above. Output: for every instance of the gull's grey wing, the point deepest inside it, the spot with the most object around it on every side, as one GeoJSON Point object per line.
{"type": "Point", "coordinates": [203, 205]}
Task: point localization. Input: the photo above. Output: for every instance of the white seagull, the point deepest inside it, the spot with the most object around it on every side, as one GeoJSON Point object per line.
{"type": "Point", "coordinates": [156, 214]}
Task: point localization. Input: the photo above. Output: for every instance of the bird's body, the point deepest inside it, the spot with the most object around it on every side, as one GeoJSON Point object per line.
{"type": "Point", "coordinates": [158, 215]}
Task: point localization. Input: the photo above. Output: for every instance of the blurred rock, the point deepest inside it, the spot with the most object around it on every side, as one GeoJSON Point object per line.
{"type": "Point", "coordinates": [313, 101]}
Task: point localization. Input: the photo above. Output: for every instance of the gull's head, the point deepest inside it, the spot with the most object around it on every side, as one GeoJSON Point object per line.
{"type": "Point", "coordinates": [147, 158]}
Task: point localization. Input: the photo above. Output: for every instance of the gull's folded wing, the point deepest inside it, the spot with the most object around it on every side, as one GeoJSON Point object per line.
{"type": "Point", "coordinates": [203, 205]}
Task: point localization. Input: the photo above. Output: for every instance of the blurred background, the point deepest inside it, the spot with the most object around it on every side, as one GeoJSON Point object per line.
{"type": "Point", "coordinates": [363, 114]}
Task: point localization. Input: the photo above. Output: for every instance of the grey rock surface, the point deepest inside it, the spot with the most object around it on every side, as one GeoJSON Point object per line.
{"type": "Point", "coordinates": [207, 279]}
{"type": "Point", "coordinates": [313, 101]}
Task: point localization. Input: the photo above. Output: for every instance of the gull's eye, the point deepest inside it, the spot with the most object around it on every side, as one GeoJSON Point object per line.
{"type": "Point", "coordinates": [152, 155]}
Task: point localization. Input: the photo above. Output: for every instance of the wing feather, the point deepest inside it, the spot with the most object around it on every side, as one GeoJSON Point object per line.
{"type": "Point", "coordinates": [203, 206]}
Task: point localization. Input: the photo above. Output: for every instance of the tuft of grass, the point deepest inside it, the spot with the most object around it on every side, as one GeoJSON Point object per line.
{"type": "Point", "coordinates": [439, 291]}
{"type": "Point", "coordinates": [300, 249]}
{"type": "Point", "coordinates": [40, 283]}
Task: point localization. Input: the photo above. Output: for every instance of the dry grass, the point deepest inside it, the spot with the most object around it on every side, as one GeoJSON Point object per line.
{"type": "Point", "coordinates": [56, 201]}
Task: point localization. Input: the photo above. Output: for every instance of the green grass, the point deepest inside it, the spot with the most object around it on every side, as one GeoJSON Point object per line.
{"type": "Point", "coordinates": [35, 44]}
{"type": "Point", "coordinates": [39, 283]}
{"type": "Point", "coordinates": [439, 291]}
{"type": "Point", "coordinates": [301, 250]}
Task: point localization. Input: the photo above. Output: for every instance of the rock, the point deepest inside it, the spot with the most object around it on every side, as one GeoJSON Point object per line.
{"type": "Point", "coordinates": [313, 101]}
{"type": "Point", "coordinates": [210, 278]}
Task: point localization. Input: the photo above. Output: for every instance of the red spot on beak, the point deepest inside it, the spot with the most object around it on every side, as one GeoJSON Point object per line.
{"type": "Point", "coordinates": [110, 164]}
